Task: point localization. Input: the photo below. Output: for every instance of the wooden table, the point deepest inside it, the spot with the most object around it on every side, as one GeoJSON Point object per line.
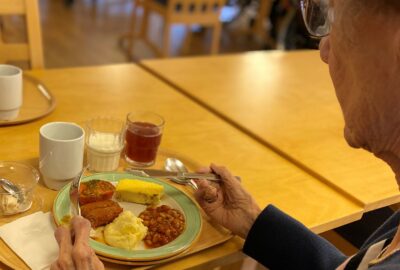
{"type": "Point", "coordinates": [285, 101]}
{"type": "Point", "coordinates": [193, 133]}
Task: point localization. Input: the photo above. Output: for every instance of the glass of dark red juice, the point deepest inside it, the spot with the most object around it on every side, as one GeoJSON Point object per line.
{"type": "Point", "coordinates": [143, 136]}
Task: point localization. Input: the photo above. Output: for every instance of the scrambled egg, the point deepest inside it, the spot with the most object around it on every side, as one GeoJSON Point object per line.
{"type": "Point", "coordinates": [125, 231]}
{"type": "Point", "coordinates": [138, 191]}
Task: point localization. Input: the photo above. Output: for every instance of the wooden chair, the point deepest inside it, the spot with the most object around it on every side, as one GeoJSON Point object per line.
{"type": "Point", "coordinates": [264, 10]}
{"type": "Point", "coordinates": [31, 51]}
{"type": "Point", "coordinates": [258, 28]}
{"type": "Point", "coordinates": [188, 12]}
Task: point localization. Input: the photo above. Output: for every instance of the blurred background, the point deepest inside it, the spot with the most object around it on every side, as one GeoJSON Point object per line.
{"type": "Point", "coordinates": [94, 32]}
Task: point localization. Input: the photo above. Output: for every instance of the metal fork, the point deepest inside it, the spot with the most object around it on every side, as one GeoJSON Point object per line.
{"type": "Point", "coordinates": [74, 193]}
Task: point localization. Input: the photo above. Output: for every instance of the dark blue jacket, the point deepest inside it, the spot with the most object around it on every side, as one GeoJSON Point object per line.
{"type": "Point", "coordinates": [279, 242]}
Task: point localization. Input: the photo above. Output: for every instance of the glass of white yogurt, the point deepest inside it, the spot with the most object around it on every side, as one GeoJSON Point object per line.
{"type": "Point", "coordinates": [104, 143]}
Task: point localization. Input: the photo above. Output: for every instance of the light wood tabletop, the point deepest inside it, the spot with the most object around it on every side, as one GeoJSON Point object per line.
{"type": "Point", "coordinates": [192, 133]}
{"type": "Point", "coordinates": [286, 101]}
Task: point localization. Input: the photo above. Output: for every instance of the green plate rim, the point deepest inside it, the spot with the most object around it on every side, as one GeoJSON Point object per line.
{"type": "Point", "coordinates": [190, 208]}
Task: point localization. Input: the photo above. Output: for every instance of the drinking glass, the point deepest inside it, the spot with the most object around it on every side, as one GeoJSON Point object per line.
{"type": "Point", "coordinates": [142, 138]}
{"type": "Point", "coordinates": [104, 143]}
{"type": "Point", "coordinates": [25, 179]}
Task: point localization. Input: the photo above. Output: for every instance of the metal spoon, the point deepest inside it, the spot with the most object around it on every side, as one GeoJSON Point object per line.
{"type": "Point", "coordinates": [175, 165]}
{"type": "Point", "coordinates": [12, 188]}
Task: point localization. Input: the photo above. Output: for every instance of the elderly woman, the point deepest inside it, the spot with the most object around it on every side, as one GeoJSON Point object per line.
{"type": "Point", "coordinates": [361, 45]}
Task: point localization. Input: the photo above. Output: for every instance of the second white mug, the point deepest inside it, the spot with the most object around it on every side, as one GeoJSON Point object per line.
{"type": "Point", "coordinates": [61, 153]}
{"type": "Point", "coordinates": [10, 91]}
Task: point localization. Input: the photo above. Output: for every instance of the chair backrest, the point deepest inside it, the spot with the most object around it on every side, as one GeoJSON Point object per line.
{"type": "Point", "coordinates": [31, 51]}
{"type": "Point", "coordinates": [195, 11]}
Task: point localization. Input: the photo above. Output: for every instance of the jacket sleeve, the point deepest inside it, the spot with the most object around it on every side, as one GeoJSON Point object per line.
{"type": "Point", "coordinates": [280, 242]}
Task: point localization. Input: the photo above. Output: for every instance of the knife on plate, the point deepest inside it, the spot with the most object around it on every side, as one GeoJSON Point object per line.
{"type": "Point", "coordinates": [167, 174]}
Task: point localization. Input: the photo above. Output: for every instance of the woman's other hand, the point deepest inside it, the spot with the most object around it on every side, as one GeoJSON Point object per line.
{"type": "Point", "coordinates": [227, 203]}
{"type": "Point", "coordinates": [75, 254]}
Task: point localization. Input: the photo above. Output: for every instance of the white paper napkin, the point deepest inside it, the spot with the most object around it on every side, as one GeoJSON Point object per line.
{"type": "Point", "coordinates": [32, 239]}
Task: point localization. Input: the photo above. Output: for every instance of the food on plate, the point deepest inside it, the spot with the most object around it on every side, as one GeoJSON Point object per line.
{"type": "Point", "coordinates": [101, 213]}
{"type": "Point", "coordinates": [98, 234]}
{"type": "Point", "coordinates": [66, 220]}
{"type": "Point", "coordinates": [94, 191]}
{"type": "Point", "coordinates": [126, 231]}
{"type": "Point", "coordinates": [139, 191]}
{"type": "Point", "coordinates": [164, 225]}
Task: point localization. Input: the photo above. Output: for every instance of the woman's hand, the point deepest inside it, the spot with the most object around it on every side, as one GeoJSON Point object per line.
{"type": "Point", "coordinates": [75, 254]}
{"type": "Point", "coordinates": [227, 203]}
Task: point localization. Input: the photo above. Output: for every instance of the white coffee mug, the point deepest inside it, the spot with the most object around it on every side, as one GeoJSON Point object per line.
{"type": "Point", "coordinates": [61, 153]}
{"type": "Point", "coordinates": [10, 91]}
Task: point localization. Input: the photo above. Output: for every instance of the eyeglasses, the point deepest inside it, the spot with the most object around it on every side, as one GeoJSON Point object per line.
{"type": "Point", "coordinates": [317, 16]}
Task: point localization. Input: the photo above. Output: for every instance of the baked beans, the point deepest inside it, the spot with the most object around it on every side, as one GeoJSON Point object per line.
{"type": "Point", "coordinates": [164, 225]}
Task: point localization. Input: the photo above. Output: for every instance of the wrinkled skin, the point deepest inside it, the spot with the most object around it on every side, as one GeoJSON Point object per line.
{"type": "Point", "coordinates": [227, 203]}
{"type": "Point", "coordinates": [362, 52]}
{"type": "Point", "coordinates": [77, 254]}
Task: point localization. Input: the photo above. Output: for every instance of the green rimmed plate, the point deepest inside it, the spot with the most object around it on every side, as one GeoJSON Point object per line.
{"type": "Point", "coordinates": [172, 197]}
